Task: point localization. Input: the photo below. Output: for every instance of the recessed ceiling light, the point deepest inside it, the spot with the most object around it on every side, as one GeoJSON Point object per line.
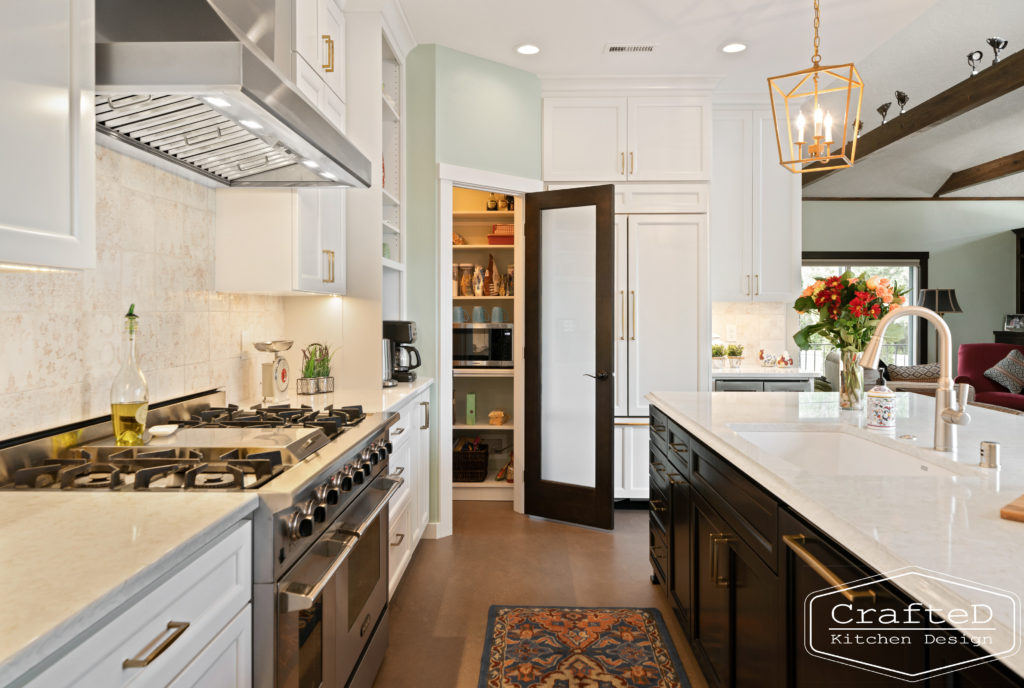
{"type": "Point", "coordinates": [734, 47]}
{"type": "Point", "coordinates": [527, 49]}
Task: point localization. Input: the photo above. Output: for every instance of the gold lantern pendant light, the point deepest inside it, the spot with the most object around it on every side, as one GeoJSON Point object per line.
{"type": "Point", "coordinates": [820, 108]}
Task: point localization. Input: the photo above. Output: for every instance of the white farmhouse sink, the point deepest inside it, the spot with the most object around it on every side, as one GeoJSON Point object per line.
{"type": "Point", "coordinates": [839, 453]}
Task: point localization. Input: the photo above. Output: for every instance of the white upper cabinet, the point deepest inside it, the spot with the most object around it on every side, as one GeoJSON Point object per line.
{"type": "Point", "coordinates": [755, 211]}
{"type": "Point", "coordinates": [626, 139]}
{"type": "Point", "coordinates": [47, 133]}
{"type": "Point", "coordinates": [319, 45]}
{"type": "Point", "coordinates": [281, 241]}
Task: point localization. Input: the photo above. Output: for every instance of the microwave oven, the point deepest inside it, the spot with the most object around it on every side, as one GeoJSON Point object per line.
{"type": "Point", "coordinates": [482, 345]}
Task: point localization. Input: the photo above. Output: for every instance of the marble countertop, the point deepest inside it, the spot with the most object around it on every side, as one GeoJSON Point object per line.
{"type": "Point", "coordinates": [68, 559]}
{"type": "Point", "coordinates": [947, 523]}
{"type": "Point", "coordinates": [372, 400]}
{"type": "Point", "coordinates": [761, 372]}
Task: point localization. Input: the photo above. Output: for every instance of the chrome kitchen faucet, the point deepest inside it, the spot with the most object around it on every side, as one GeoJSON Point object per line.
{"type": "Point", "coordinates": [947, 416]}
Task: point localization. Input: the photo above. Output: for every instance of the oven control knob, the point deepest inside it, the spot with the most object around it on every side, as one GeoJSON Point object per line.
{"type": "Point", "coordinates": [344, 479]}
{"type": "Point", "coordinates": [299, 525]}
{"type": "Point", "coordinates": [318, 510]}
{"type": "Point", "coordinates": [357, 474]}
{"type": "Point", "coordinates": [330, 491]}
{"type": "Point", "coordinates": [389, 447]}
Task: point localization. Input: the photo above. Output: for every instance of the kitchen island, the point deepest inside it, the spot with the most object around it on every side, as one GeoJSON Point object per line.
{"type": "Point", "coordinates": [888, 504]}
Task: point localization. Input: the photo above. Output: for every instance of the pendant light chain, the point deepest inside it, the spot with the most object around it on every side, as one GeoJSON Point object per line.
{"type": "Point", "coordinates": [817, 40]}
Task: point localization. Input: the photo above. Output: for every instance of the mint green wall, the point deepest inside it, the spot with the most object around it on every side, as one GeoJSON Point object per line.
{"type": "Point", "coordinates": [465, 111]}
{"type": "Point", "coordinates": [971, 247]}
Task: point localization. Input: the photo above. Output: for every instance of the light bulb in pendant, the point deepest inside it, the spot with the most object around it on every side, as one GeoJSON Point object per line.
{"type": "Point", "coordinates": [828, 127]}
{"type": "Point", "coordinates": [817, 122]}
{"type": "Point", "coordinates": [801, 122]}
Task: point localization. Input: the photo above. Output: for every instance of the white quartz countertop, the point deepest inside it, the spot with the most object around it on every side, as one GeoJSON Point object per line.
{"type": "Point", "coordinates": [762, 373]}
{"type": "Point", "coordinates": [68, 559]}
{"type": "Point", "coordinates": [372, 400]}
{"type": "Point", "coordinates": [946, 523]}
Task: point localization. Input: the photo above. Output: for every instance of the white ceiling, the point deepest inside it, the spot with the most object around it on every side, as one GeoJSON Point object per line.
{"type": "Point", "coordinates": [688, 33]}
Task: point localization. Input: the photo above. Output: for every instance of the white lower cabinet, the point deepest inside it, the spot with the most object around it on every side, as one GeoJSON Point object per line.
{"type": "Point", "coordinates": [631, 461]}
{"type": "Point", "coordinates": [410, 507]}
{"type": "Point", "coordinates": [194, 629]}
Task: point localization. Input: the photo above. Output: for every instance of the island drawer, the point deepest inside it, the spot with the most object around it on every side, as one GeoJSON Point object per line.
{"type": "Point", "coordinates": [751, 512]}
{"type": "Point", "coordinates": [659, 506]}
{"type": "Point", "coordinates": [659, 552]}
{"type": "Point", "coordinates": [679, 449]}
{"type": "Point", "coordinates": [659, 426]}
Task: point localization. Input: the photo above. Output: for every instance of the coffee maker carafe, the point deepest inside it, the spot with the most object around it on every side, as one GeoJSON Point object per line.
{"type": "Point", "coordinates": [404, 358]}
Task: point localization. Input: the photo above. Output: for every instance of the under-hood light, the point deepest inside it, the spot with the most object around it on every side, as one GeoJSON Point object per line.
{"type": "Point", "coordinates": [250, 124]}
{"type": "Point", "coordinates": [310, 164]}
{"type": "Point", "coordinates": [217, 102]}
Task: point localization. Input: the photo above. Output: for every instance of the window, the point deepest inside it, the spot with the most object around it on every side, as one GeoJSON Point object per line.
{"type": "Point", "coordinates": [903, 340]}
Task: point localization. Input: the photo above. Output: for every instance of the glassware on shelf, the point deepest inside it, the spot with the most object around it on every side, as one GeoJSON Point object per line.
{"type": "Point", "coordinates": [129, 393]}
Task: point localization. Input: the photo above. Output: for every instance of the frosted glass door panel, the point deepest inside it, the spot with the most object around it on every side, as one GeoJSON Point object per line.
{"type": "Point", "coordinates": [568, 321]}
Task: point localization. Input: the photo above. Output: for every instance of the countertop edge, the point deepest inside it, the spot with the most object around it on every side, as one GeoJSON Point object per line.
{"type": "Point", "coordinates": [61, 637]}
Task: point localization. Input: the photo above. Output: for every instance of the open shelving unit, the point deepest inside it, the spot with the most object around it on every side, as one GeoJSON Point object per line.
{"type": "Point", "coordinates": [391, 183]}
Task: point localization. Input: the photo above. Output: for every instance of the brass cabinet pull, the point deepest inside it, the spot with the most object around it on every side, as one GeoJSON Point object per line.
{"type": "Point", "coordinates": [398, 541]}
{"type": "Point", "coordinates": [679, 479]}
{"type": "Point", "coordinates": [679, 447]}
{"type": "Point", "coordinates": [330, 266]}
{"type": "Point", "coordinates": [716, 540]}
{"type": "Point", "coordinates": [748, 286]}
{"type": "Point", "coordinates": [178, 627]}
{"type": "Point", "coordinates": [622, 325]}
{"type": "Point", "coordinates": [329, 67]}
{"type": "Point", "coordinates": [633, 294]}
{"type": "Point", "coordinates": [426, 415]}
{"type": "Point", "coordinates": [757, 285]}
{"type": "Point", "coordinates": [655, 505]}
{"type": "Point", "coordinates": [631, 162]}
{"type": "Point", "coordinates": [796, 543]}
{"type": "Point", "coordinates": [658, 428]}
{"type": "Point", "coordinates": [622, 163]}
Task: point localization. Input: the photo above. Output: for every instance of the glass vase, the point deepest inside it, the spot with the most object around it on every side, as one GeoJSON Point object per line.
{"type": "Point", "coordinates": [851, 381]}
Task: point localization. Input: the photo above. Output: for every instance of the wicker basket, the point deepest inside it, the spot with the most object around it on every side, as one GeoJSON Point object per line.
{"type": "Point", "coordinates": [470, 465]}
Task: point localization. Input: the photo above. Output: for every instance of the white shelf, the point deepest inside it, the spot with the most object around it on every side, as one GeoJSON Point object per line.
{"type": "Point", "coordinates": [482, 247]}
{"type": "Point", "coordinates": [483, 427]}
{"type": "Point", "coordinates": [388, 109]}
{"type": "Point", "coordinates": [488, 490]}
{"type": "Point", "coordinates": [483, 298]}
{"type": "Point", "coordinates": [507, 215]}
{"type": "Point", "coordinates": [389, 227]}
{"type": "Point", "coordinates": [393, 265]}
{"type": "Point", "coordinates": [389, 199]}
{"type": "Point", "coordinates": [483, 373]}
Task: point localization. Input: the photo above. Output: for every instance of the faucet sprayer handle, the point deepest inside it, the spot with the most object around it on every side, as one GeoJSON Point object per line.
{"type": "Point", "coordinates": [963, 391]}
{"type": "Point", "coordinates": [959, 415]}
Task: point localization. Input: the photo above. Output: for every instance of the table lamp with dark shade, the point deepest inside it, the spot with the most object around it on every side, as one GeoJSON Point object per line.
{"type": "Point", "coordinates": [941, 301]}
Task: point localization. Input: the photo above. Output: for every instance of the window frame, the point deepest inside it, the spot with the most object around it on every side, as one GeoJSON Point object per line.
{"type": "Point", "coordinates": [875, 258]}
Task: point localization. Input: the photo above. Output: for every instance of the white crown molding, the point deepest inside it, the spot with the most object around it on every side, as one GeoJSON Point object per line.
{"type": "Point", "coordinates": [747, 98]}
{"type": "Point", "coordinates": [398, 27]}
{"type": "Point", "coordinates": [552, 84]}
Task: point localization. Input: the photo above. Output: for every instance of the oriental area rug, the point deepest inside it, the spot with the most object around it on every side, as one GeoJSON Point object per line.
{"type": "Point", "coordinates": [577, 647]}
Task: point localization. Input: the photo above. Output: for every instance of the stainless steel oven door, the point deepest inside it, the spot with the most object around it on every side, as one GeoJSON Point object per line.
{"type": "Point", "coordinates": [331, 600]}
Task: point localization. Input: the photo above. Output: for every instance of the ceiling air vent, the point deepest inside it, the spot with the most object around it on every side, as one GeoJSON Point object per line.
{"type": "Point", "coordinates": [629, 48]}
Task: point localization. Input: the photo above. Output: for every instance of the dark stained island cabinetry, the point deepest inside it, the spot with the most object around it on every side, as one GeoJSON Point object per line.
{"type": "Point", "coordinates": [738, 564]}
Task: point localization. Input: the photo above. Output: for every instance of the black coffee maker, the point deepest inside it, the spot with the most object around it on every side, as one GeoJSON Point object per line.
{"type": "Point", "coordinates": [401, 334]}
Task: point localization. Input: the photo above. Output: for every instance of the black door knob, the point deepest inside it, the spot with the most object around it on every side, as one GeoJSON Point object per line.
{"type": "Point", "coordinates": [601, 375]}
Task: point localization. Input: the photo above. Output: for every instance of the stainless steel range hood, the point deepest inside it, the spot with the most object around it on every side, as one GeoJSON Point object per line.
{"type": "Point", "coordinates": [193, 82]}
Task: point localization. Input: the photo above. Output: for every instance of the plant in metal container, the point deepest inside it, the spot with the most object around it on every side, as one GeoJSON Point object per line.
{"type": "Point", "coordinates": [718, 356]}
{"type": "Point", "coordinates": [316, 370]}
{"type": "Point", "coordinates": [735, 352]}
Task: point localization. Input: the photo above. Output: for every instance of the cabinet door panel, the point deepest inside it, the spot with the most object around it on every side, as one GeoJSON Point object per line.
{"type": "Point", "coordinates": [618, 458]}
{"type": "Point", "coordinates": [307, 39]}
{"type": "Point", "coordinates": [681, 545]}
{"type": "Point", "coordinates": [310, 259]}
{"type": "Point", "coordinates": [758, 650]}
{"type": "Point", "coordinates": [47, 133]}
{"type": "Point", "coordinates": [226, 662]}
{"type": "Point", "coordinates": [638, 447]}
{"type": "Point", "coordinates": [711, 622]}
{"type": "Point", "coordinates": [334, 108]}
{"type": "Point", "coordinates": [776, 218]}
{"type": "Point", "coordinates": [668, 139]}
{"type": "Point", "coordinates": [333, 239]}
{"type": "Point", "coordinates": [622, 326]}
{"type": "Point", "coordinates": [731, 207]}
{"type": "Point", "coordinates": [585, 138]}
{"type": "Point", "coordinates": [331, 23]}
{"type": "Point", "coordinates": [422, 461]}
{"type": "Point", "coordinates": [665, 277]}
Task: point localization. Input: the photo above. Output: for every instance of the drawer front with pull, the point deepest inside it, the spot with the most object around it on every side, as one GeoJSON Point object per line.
{"type": "Point", "coordinates": [679, 449]}
{"type": "Point", "coordinates": [399, 547]}
{"type": "Point", "coordinates": [402, 431]}
{"type": "Point", "coordinates": [152, 641]}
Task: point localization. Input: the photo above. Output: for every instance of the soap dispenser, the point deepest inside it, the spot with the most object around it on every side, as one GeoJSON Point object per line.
{"type": "Point", "coordinates": [881, 406]}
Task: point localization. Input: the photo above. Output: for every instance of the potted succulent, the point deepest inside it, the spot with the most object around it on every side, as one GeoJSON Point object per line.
{"type": "Point", "coordinates": [316, 370]}
{"type": "Point", "coordinates": [735, 352]}
{"type": "Point", "coordinates": [718, 356]}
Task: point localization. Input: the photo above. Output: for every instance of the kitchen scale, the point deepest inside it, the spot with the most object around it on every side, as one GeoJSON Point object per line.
{"type": "Point", "coordinates": [276, 374]}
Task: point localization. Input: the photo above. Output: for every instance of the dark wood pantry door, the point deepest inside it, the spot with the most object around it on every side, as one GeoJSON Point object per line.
{"type": "Point", "coordinates": [570, 291]}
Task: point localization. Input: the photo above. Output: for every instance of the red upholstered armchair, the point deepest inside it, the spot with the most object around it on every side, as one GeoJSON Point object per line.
{"type": "Point", "coordinates": [972, 362]}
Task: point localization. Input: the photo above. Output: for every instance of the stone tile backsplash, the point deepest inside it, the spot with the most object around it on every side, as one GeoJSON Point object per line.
{"type": "Point", "coordinates": [758, 326]}
{"type": "Point", "coordinates": [62, 331]}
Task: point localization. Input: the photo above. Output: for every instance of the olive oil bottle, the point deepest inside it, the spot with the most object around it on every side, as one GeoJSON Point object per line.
{"type": "Point", "coordinates": [129, 394]}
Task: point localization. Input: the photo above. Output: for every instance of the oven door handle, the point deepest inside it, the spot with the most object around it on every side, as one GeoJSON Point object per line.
{"type": "Point", "coordinates": [296, 597]}
{"type": "Point", "coordinates": [390, 484]}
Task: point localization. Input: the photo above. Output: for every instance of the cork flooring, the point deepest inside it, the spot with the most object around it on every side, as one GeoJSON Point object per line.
{"type": "Point", "coordinates": [439, 612]}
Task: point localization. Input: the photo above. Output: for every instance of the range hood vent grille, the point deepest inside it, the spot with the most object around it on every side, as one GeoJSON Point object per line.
{"type": "Point", "coordinates": [629, 48]}
{"type": "Point", "coordinates": [191, 132]}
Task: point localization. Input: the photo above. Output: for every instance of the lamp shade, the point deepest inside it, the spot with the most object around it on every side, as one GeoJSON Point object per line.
{"type": "Point", "coordinates": [940, 300]}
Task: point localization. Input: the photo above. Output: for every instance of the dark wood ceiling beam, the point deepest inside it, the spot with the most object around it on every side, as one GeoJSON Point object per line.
{"type": "Point", "coordinates": [1004, 77]}
{"type": "Point", "coordinates": [985, 172]}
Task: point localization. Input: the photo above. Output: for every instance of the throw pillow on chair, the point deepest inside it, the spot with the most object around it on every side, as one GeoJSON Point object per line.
{"type": "Point", "coordinates": [1009, 372]}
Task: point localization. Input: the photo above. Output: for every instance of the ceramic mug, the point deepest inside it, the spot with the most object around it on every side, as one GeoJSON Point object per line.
{"type": "Point", "coordinates": [459, 314]}
{"type": "Point", "coordinates": [497, 314]}
{"type": "Point", "coordinates": [479, 314]}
